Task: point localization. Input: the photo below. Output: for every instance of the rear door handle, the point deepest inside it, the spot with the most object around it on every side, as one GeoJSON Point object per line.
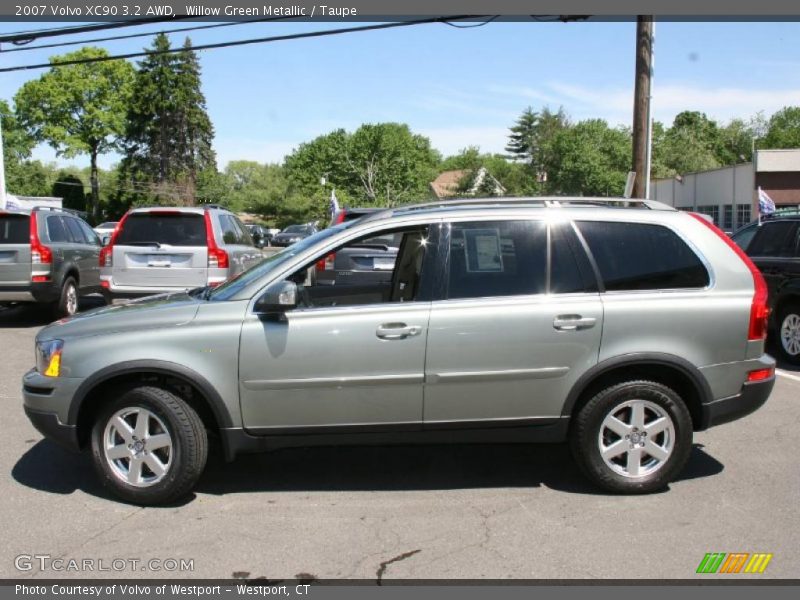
{"type": "Point", "coordinates": [573, 322]}
{"type": "Point", "coordinates": [397, 331]}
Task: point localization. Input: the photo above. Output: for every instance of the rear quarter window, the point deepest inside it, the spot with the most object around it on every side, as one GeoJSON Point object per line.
{"type": "Point", "coordinates": [178, 229]}
{"type": "Point", "coordinates": [776, 239]}
{"type": "Point", "coordinates": [15, 229]}
{"type": "Point", "coordinates": [642, 256]}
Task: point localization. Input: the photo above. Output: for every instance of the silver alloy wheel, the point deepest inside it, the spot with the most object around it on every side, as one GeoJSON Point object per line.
{"type": "Point", "coordinates": [790, 334]}
{"type": "Point", "coordinates": [71, 299]}
{"type": "Point", "coordinates": [137, 446]}
{"type": "Point", "coordinates": [636, 438]}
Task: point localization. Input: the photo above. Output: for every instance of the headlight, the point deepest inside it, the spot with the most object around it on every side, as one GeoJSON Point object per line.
{"type": "Point", "coordinates": [48, 357]}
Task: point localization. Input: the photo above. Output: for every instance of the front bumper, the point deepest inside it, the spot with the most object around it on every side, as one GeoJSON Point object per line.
{"type": "Point", "coordinates": [50, 427]}
{"type": "Point", "coordinates": [752, 396]}
{"type": "Point", "coordinates": [47, 402]}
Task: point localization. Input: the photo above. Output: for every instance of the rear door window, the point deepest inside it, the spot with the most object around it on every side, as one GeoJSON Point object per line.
{"type": "Point", "coordinates": [75, 233]}
{"type": "Point", "coordinates": [56, 230]}
{"type": "Point", "coordinates": [174, 229]}
{"type": "Point", "coordinates": [15, 229]}
{"type": "Point", "coordinates": [776, 239]}
{"type": "Point", "coordinates": [642, 256]}
{"type": "Point", "coordinates": [497, 258]}
{"type": "Point", "coordinates": [89, 233]}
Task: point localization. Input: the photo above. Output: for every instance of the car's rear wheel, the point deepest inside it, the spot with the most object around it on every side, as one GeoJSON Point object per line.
{"type": "Point", "coordinates": [633, 437]}
{"type": "Point", "coordinates": [149, 446]}
{"type": "Point", "coordinates": [789, 333]}
{"type": "Point", "coordinates": [67, 304]}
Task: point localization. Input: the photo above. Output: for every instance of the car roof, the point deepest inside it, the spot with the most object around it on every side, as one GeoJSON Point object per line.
{"type": "Point", "coordinates": [193, 210]}
{"type": "Point", "coordinates": [535, 204]}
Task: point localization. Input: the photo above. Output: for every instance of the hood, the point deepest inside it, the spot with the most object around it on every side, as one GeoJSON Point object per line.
{"type": "Point", "coordinates": [154, 312]}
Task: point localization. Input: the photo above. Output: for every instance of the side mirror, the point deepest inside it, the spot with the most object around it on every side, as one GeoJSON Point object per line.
{"type": "Point", "coordinates": [278, 298]}
{"type": "Point", "coordinates": [105, 239]}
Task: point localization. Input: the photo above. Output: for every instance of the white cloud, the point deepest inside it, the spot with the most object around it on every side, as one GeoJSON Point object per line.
{"type": "Point", "coordinates": [449, 140]}
{"type": "Point", "coordinates": [615, 104]}
{"type": "Point", "coordinates": [262, 151]}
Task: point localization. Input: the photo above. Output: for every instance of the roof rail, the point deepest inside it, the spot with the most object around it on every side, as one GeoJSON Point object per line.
{"type": "Point", "coordinates": [544, 201]}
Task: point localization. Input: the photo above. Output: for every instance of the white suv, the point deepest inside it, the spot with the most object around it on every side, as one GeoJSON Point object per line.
{"type": "Point", "coordinates": [157, 249]}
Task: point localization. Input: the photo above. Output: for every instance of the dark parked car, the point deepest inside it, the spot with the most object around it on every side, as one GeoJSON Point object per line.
{"type": "Point", "coordinates": [774, 247]}
{"type": "Point", "coordinates": [261, 237]}
{"type": "Point", "coordinates": [293, 233]}
{"type": "Point", "coordinates": [368, 263]}
{"type": "Point", "coordinates": [47, 256]}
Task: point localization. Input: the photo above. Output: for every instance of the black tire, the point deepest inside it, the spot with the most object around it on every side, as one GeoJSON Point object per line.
{"type": "Point", "coordinates": [586, 431]}
{"type": "Point", "coordinates": [186, 459]}
{"type": "Point", "coordinates": [786, 312]}
{"type": "Point", "coordinates": [65, 306]}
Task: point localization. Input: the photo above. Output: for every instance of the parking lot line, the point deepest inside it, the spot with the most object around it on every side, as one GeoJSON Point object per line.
{"type": "Point", "coordinates": [783, 373]}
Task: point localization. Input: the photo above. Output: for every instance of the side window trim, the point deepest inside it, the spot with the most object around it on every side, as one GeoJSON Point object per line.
{"type": "Point", "coordinates": [601, 286]}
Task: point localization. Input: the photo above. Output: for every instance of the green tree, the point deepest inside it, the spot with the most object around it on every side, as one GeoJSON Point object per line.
{"type": "Point", "coordinates": [692, 144]}
{"type": "Point", "coordinates": [532, 137]}
{"type": "Point", "coordinates": [78, 109]}
{"type": "Point", "coordinates": [69, 188]}
{"type": "Point", "coordinates": [168, 140]}
{"type": "Point", "coordinates": [392, 164]}
{"type": "Point", "coordinates": [590, 159]}
{"type": "Point", "coordinates": [380, 165]}
{"type": "Point", "coordinates": [783, 130]}
{"type": "Point", "coordinates": [23, 177]}
{"type": "Point", "coordinates": [522, 139]}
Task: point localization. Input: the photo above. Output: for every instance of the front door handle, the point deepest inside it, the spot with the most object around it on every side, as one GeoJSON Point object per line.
{"type": "Point", "coordinates": [573, 322]}
{"type": "Point", "coordinates": [397, 331]}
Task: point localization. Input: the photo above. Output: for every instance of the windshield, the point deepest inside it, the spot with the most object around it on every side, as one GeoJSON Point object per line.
{"type": "Point", "coordinates": [14, 229]}
{"type": "Point", "coordinates": [107, 225]}
{"type": "Point", "coordinates": [296, 229]}
{"type": "Point", "coordinates": [162, 227]}
{"type": "Point", "coordinates": [232, 287]}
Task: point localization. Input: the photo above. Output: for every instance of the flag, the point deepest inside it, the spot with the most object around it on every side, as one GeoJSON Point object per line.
{"type": "Point", "coordinates": [334, 205]}
{"type": "Point", "coordinates": [766, 205]}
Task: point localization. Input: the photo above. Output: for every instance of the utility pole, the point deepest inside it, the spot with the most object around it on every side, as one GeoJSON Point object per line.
{"type": "Point", "coordinates": [641, 104]}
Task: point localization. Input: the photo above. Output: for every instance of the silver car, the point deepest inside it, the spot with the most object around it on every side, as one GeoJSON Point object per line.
{"type": "Point", "coordinates": [620, 327]}
{"type": "Point", "coordinates": [154, 250]}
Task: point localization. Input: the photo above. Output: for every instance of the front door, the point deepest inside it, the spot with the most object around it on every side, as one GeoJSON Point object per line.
{"type": "Point", "coordinates": [344, 357]}
{"type": "Point", "coordinates": [514, 331]}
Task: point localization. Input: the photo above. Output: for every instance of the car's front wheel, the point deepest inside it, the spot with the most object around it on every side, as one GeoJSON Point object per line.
{"type": "Point", "coordinates": [633, 437]}
{"type": "Point", "coordinates": [789, 333]}
{"type": "Point", "coordinates": [149, 446]}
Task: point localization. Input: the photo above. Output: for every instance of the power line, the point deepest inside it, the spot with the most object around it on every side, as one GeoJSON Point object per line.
{"type": "Point", "coordinates": [66, 28]}
{"type": "Point", "coordinates": [277, 38]}
{"type": "Point", "coordinates": [138, 35]}
{"type": "Point", "coordinates": [474, 25]}
{"type": "Point", "coordinates": [24, 38]}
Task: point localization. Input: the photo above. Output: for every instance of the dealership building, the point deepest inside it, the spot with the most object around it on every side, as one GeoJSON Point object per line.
{"type": "Point", "coordinates": [730, 194]}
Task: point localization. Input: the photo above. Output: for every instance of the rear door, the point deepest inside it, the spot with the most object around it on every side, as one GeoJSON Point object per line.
{"type": "Point", "coordinates": [79, 252]}
{"type": "Point", "coordinates": [161, 249]}
{"type": "Point", "coordinates": [513, 331]}
{"type": "Point", "coordinates": [15, 250]}
{"type": "Point", "coordinates": [774, 250]}
{"type": "Point", "coordinates": [90, 272]}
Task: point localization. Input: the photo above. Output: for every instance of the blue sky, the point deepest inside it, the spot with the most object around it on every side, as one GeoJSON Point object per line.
{"type": "Point", "coordinates": [462, 87]}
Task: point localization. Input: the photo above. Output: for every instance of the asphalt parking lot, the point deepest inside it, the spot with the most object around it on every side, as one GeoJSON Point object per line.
{"type": "Point", "coordinates": [387, 512]}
